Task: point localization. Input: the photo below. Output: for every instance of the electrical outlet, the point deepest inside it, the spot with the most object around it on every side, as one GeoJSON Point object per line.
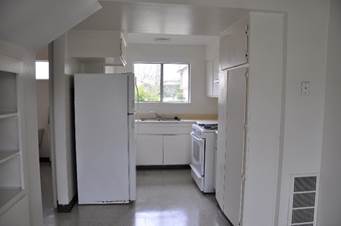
{"type": "Point", "coordinates": [305, 88]}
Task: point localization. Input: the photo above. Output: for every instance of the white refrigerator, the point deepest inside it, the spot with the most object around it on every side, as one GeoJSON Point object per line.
{"type": "Point", "coordinates": [104, 126]}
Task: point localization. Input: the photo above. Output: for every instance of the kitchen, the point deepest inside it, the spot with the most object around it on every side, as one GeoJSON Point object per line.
{"type": "Point", "coordinates": [242, 52]}
{"type": "Point", "coordinates": [174, 127]}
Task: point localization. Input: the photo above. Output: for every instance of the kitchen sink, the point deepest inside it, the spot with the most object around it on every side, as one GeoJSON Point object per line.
{"type": "Point", "coordinates": [161, 119]}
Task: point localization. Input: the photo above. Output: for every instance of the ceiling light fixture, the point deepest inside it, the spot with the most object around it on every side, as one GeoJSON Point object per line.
{"type": "Point", "coordinates": [162, 39]}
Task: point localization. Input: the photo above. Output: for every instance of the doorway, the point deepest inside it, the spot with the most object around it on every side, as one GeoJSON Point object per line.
{"type": "Point", "coordinates": [45, 136]}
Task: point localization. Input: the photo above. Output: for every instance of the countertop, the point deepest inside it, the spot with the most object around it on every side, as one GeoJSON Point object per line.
{"type": "Point", "coordinates": [183, 121]}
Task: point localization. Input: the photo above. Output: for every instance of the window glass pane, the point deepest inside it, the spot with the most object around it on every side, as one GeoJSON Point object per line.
{"type": "Point", "coordinates": [175, 83]}
{"type": "Point", "coordinates": [42, 70]}
{"type": "Point", "coordinates": [148, 77]}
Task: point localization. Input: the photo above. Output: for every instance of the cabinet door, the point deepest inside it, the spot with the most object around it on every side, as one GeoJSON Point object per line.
{"type": "Point", "coordinates": [176, 149]}
{"type": "Point", "coordinates": [234, 46]}
{"type": "Point", "coordinates": [235, 139]}
{"type": "Point", "coordinates": [215, 81]}
{"type": "Point", "coordinates": [212, 77]}
{"type": "Point", "coordinates": [149, 150]}
{"type": "Point", "coordinates": [209, 78]}
{"type": "Point", "coordinates": [216, 69]}
{"type": "Point", "coordinates": [221, 145]}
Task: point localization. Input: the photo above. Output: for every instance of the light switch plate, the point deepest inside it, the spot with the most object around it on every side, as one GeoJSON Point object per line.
{"type": "Point", "coordinates": [305, 88]}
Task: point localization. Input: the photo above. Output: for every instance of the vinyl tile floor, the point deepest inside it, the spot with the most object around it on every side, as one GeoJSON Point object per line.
{"type": "Point", "coordinates": [164, 198]}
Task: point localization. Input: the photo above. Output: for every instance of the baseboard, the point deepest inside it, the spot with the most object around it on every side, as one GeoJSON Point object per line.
{"type": "Point", "coordinates": [44, 159]}
{"type": "Point", "coordinates": [68, 207]}
{"type": "Point", "coordinates": [162, 167]}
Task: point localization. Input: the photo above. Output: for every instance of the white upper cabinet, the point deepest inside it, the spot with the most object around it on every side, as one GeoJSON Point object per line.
{"type": "Point", "coordinates": [107, 47]}
{"type": "Point", "coordinates": [209, 77]}
{"type": "Point", "coordinates": [234, 45]}
{"type": "Point", "coordinates": [212, 77]}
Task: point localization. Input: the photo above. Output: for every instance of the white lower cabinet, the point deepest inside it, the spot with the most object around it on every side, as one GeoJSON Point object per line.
{"type": "Point", "coordinates": [176, 149]}
{"type": "Point", "coordinates": [149, 150]}
{"type": "Point", "coordinates": [163, 144]}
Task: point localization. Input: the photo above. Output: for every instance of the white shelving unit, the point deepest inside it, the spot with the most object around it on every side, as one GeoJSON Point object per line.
{"type": "Point", "coordinates": [11, 172]}
{"type": "Point", "coordinates": [8, 155]}
{"type": "Point", "coordinates": [9, 115]}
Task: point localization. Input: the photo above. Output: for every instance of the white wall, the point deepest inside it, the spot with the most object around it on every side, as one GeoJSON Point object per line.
{"type": "Point", "coordinates": [330, 182]}
{"type": "Point", "coordinates": [43, 115]}
{"type": "Point", "coordinates": [195, 56]}
{"type": "Point", "coordinates": [63, 122]}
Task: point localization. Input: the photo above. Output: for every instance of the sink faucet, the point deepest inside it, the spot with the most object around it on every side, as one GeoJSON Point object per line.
{"type": "Point", "coordinates": [158, 116]}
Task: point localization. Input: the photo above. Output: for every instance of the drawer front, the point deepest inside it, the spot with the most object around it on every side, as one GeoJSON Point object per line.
{"type": "Point", "coordinates": [161, 129]}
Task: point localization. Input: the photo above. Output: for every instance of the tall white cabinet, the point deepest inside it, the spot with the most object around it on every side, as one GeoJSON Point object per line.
{"type": "Point", "coordinates": [249, 102]}
{"type": "Point", "coordinates": [231, 142]}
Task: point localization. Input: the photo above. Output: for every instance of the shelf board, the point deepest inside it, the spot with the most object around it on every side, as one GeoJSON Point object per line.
{"type": "Point", "coordinates": [7, 155]}
{"type": "Point", "coordinates": [8, 197]}
{"type": "Point", "coordinates": [8, 115]}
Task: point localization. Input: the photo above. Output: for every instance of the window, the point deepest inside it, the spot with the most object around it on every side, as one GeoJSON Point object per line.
{"type": "Point", "coordinates": [42, 70]}
{"type": "Point", "coordinates": [167, 83]}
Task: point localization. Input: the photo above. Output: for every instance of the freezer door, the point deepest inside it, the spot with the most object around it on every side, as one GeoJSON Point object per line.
{"type": "Point", "coordinates": [102, 149]}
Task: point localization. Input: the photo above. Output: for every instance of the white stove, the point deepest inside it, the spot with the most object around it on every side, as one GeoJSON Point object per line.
{"type": "Point", "coordinates": [203, 155]}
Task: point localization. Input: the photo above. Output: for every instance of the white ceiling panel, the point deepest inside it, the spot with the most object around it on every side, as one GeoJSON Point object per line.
{"type": "Point", "coordinates": [156, 18]}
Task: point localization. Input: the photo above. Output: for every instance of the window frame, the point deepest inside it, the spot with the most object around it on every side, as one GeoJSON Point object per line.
{"type": "Point", "coordinates": [189, 101]}
{"type": "Point", "coordinates": [48, 72]}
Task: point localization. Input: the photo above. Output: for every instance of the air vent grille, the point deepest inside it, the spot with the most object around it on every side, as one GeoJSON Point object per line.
{"type": "Point", "coordinates": [303, 208]}
{"type": "Point", "coordinates": [304, 200]}
{"type": "Point", "coordinates": [300, 216]}
{"type": "Point", "coordinates": [303, 184]}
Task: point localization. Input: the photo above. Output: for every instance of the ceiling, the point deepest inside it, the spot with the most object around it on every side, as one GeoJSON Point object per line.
{"type": "Point", "coordinates": [156, 18]}
{"type": "Point", "coordinates": [34, 23]}
{"type": "Point", "coordinates": [172, 39]}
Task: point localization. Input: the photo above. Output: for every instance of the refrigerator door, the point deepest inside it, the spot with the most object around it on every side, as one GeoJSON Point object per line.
{"type": "Point", "coordinates": [102, 149]}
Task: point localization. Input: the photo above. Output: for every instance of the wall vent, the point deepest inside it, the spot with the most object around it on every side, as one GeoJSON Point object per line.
{"type": "Point", "coordinates": [303, 201]}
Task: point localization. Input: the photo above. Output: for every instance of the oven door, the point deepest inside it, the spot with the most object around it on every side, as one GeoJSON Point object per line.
{"type": "Point", "coordinates": [198, 155]}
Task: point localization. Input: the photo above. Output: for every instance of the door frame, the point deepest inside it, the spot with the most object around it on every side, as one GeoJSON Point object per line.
{"type": "Point", "coordinates": [51, 125]}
